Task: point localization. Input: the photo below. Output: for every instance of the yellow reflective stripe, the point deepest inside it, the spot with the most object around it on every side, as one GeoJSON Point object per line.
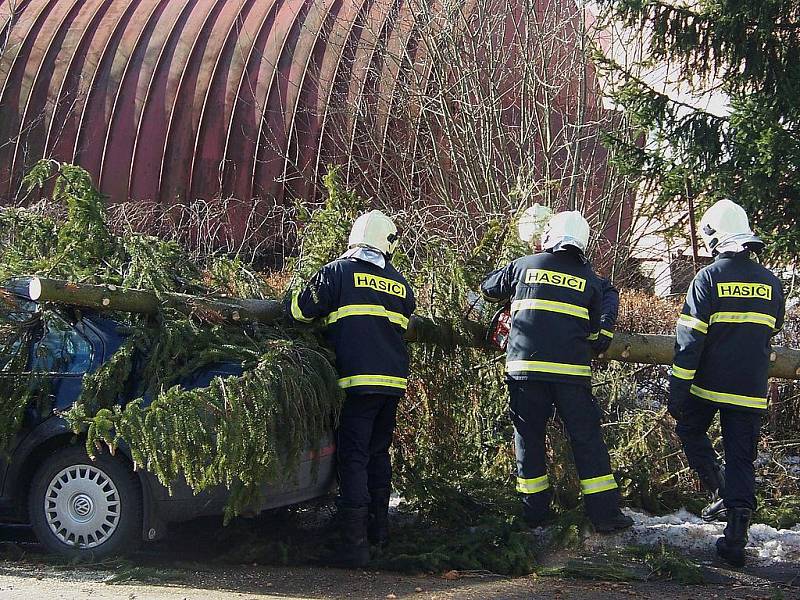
{"type": "Point", "coordinates": [693, 323]}
{"type": "Point", "coordinates": [596, 485]}
{"type": "Point", "coordinates": [548, 367]}
{"type": "Point", "coordinates": [743, 317]}
{"type": "Point", "coordinates": [297, 314]}
{"type": "Point", "coordinates": [605, 332]}
{"type": "Point", "coordinates": [379, 380]}
{"type": "Point", "coordinates": [371, 310]}
{"type": "Point", "coordinates": [681, 373]}
{"type": "Point", "coordinates": [725, 398]}
{"type": "Point", "coordinates": [532, 486]}
{"type": "Point", "coordinates": [551, 305]}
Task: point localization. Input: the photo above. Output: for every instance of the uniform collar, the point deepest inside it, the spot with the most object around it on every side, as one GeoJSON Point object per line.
{"type": "Point", "coordinates": [366, 254]}
{"type": "Point", "coordinates": [733, 254]}
{"type": "Point", "coordinates": [572, 251]}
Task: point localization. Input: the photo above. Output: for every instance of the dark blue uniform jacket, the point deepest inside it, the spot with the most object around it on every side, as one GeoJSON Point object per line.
{"type": "Point", "coordinates": [556, 312]}
{"type": "Point", "coordinates": [609, 311]}
{"type": "Point", "coordinates": [365, 310]}
{"type": "Point", "coordinates": [733, 308]}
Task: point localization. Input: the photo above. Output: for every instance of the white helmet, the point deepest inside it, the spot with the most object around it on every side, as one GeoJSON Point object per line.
{"type": "Point", "coordinates": [567, 228]}
{"type": "Point", "coordinates": [725, 227]}
{"type": "Point", "coordinates": [532, 223]}
{"type": "Point", "coordinates": [376, 230]}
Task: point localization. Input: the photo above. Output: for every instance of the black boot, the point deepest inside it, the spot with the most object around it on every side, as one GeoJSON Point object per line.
{"type": "Point", "coordinates": [714, 482]}
{"type": "Point", "coordinates": [616, 522]}
{"type": "Point", "coordinates": [351, 550]}
{"type": "Point", "coordinates": [542, 520]}
{"type": "Point", "coordinates": [731, 547]}
{"type": "Point", "coordinates": [378, 528]}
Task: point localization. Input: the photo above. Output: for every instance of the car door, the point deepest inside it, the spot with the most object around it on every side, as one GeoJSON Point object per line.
{"type": "Point", "coordinates": [18, 328]}
{"type": "Point", "coordinates": [56, 356]}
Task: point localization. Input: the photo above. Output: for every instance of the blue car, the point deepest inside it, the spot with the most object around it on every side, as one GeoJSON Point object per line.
{"type": "Point", "coordinates": [102, 507]}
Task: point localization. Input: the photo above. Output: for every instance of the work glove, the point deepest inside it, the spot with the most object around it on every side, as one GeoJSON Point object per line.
{"type": "Point", "coordinates": [600, 345]}
{"type": "Point", "coordinates": [678, 396]}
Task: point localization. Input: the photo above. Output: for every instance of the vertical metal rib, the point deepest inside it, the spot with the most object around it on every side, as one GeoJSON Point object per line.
{"type": "Point", "coordinates": [154, 124]}
{"type": "Point", "coordinates": [119, 139]}
{"type": "Point", "coordinates": [250, 96]}
{"type": "Point", "coordinates": [207, 154]}
{"type": "Point", "coordinates": [279, 58]}
{"type": "Point", "coordinates": [12, 73]}
{"type": "Point", "coordinates": [179, 137]}
{"type": "Point", "coordinates": [102, 89]}
{"type": "Point", "coordinates": [34, 91]}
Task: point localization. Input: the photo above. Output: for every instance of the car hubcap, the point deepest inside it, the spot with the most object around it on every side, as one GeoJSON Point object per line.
{"type": "Point", "coordinates": [82, 506]}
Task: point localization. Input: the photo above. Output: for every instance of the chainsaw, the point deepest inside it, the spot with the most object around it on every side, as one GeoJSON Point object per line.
{"type": "Point", "coordinates": [500, 328]}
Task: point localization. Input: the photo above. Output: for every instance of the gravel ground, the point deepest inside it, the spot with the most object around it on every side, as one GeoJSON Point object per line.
{"type": "Point", "coordinates": [185, 568]}
{"type": "Point", "coordinates": [26, 581]}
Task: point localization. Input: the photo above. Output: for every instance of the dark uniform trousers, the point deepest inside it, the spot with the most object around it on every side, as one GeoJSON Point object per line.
{"type": "Point", "coordinates": [740, 435]}
{"type": "Point", "coordinates": [365, 433]}
{"type": "Point", "coordinates": [531, 408]}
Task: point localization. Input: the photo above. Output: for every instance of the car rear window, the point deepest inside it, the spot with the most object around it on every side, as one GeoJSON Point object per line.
{"type": "Point", "coordinates": [61, 349]}
{"type": "Point", "coordinates": [16, 326]}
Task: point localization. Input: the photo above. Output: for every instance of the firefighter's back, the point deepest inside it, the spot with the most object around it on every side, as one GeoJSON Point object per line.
{"type": "Point", "coordinates": [746, 305]}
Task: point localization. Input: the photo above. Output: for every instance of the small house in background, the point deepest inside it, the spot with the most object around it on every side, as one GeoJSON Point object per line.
{"type": "Point", "coordinates": [665, 256]}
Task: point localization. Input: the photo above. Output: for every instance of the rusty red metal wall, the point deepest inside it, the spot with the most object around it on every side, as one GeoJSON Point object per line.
{"type": "Point", "coordinates": [175, 100]}
{"type": "Point", "coordinates": [170, 100]}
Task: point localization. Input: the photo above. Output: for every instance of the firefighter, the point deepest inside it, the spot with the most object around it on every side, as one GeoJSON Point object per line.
{"type": "Point", "coordinates": [733, 308]}
{"type": "Point", "coordinates": [530, 227]}
{"type": "Point", "coordinates": [365, 305]}
{"type": "Point", "coordinates": [556, 313]}
{"type": "Point", "coordinates": [532, 224]}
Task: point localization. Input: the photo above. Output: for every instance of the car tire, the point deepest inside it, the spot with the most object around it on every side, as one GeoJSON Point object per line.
{"type": "Point", "coordinates": [85, 508]}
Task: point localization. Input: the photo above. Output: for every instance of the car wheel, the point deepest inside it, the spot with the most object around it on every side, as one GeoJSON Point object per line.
{"type": "Point", "coordinates": [83, 507]}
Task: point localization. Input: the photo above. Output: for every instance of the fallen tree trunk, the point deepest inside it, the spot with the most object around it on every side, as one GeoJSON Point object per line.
{"type": "Point", "coordinates": [112, 297]}
{"type": "Point", "coordinates": [626, 347]}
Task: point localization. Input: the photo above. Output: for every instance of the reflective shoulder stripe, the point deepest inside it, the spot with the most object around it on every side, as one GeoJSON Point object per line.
{"type": "Point", "coordinates": [607, 333]}
{"type": "Point", "coordinates": [725, 398]}
{"type": "Point", "coordinates": [681, 373]}
{"type": "Point", "coordinates": [373, 310]}
{"type": "Point", "coordinates": [693, 323]}
{"type": "Point", "coordinates": [551, 305]}
{"type": "Point", "coordinates": [297, 314]}
{"type": "Point", "coordinates": [743, 317]}
{"type": "Point", "coordinates": [532, 486]}
{"type": "Point", "coordinates": [522, 366]}
{"type": "Point", "coordinates": [377, 380]}
{"type": "Point", "coordinates": [596, 485]}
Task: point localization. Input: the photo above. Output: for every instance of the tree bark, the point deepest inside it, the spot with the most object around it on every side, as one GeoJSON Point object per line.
{"type": "Point", "coordinates": [111, 297]}
{"type": "Point", "coordinates": [626, 347]}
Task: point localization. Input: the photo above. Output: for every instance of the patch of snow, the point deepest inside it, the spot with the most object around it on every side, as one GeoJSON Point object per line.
{"type": "Point", "coordinates": [790, 463]}
{"type": "Point", "coordinates": [683, 530]}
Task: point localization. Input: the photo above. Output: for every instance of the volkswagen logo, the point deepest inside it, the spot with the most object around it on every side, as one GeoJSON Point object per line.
{"type": "Point", "coordinates": [82, 505]}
